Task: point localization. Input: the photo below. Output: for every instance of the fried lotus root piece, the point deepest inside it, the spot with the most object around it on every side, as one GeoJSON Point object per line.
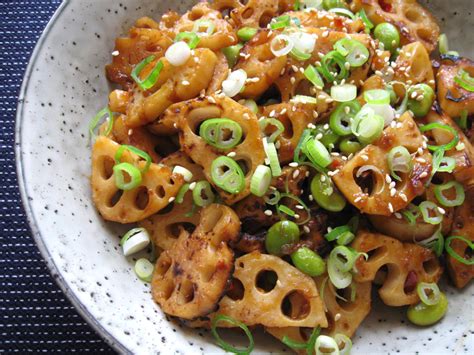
{"type": "Point", "coordinates": [406, 265]}
{"type": "Point", "coordinates": [463, 226]}
{"type": "Point", "coordinates": [140, 43]}
{"type": "Point", "coordinates": [158, 185]}
{"type": "Point", "coordinates": [295, 119]}
{"type": "Point", "coordinates": [260, 64]}
{"type": "Point", "coordinates": [290, 300]}
{"type": "Point", "coordinates": [190, 114]}
{"type": "Point", "coordinates": [223, 34]}
{"type": "Point", "coordinates": [165, 228]}
{"type": "Point", "coordinates": [414, 22]}
{"type": "Point", "coordinates": [370, 192]}
{"type": "Point", "coordinates": [331, 21]}
{"type": "Point", "coordinates": [190, 278]}
{"type": "Point", "coordinates": [413, 63]}
{"type": "Point", "coordinates": [464, 170]}
{"type": "Point", "coordinates": [174, 84]}
{"type": "Point", "coordinates": [452, 98]}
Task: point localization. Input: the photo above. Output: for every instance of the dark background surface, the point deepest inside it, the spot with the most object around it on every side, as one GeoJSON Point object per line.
{"type": "Point", "coordinates": [35, 316]}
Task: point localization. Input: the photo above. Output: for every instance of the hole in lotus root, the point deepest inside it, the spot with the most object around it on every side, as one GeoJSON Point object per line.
{"type": "Point", "coordinates": [167, 146]}
{"type": "Point", "coordinates": [247, 13]}
{"type": "Point", "coordinates": [266, 280]}
{"type": "Point", "coordinates": [424, 34]}
{"type": "Point", "coordinates": [244, 165]}
{"type": "Point", "coordinates": [288, 132]}
{"type": "Point", "coordinates": [176, 229]}
{"type": "Point", "coordinates": [115, 198]}
{"type": "Point", "coordinates": [431, 266]}
{"type": "Point", "coordinates": [236, 290]}
{"type": "Point", "coordinates": [376, 253]}
{"type": "Point", "coordinates": [271, 96]}
{"type": "Point", "coordinates": [167, 289]}
{"type": "Point", "coordinates": [244, 2]}
{"type": "Point", "coordinates": [142, 198]}
{"type": "Point", "coordinates": [163, 265]}
{"type": "Point", "coordinates": [366, 181]}
{"type": "Point", "coordinates": [107, 167]}
{"type": "Point", "coordinates": [344, 299]}
{"type": "Point", "coordinates": [410, 282]}
{"type": "Point", "coordinates": [381, 276]}
{"type": "Point", "coordinates": [265, 19]}
{"type": "Point", "coordinates": [386, 5]}
{"type": "Point", "coordinates": [160, 191]}
{"type": "Point", "coordinates": [295, 306]}
{"type": "Point", "coordinates": [412, 15]}
{"type": "Point", "coordinates": [186, 292]}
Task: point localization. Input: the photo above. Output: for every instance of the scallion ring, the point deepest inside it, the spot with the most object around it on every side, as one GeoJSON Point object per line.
{"type": "Point", "coordinates": [428, 292]}
{"type": "Point", "coordinates": [443, 44]}
{"type": "Point", "coordinates": [325, 345]}
{"type": "Point", "coordinates": [299, 55]}
{"type": "Point", "coordinates": [335, 233]}
{"type": "Point", "coordinates": [340, 119]}
{"type": "Point", "coordinates": [226, 346]}
{"type": "Point", "coordinates": [436, 125]}
{"type": "Point", "coordinates": [134, 176]}
{"type": "Point", "coordinates": [272, 156]}
{"type": "Point", "coordinates": [450, 250]}
{"type": "Point", "coordinates": [297, 156]}
{"type": "Point", "coordinates": [338, 278]}
{"type": "Point", "coordinates": [344, 343]}
{"type": "Point", "coordinates": [280, 22]}
{"type": "Point", "coordinates": [399, 160]}
{"type": "Point", "coordinates": [182, 191]}
{"type": "Point", "coordinates": [462, 120]}
{"type": "Point", "coordinates": [105, 112]}
{"type": "Point", "coordinates": [135, 150]}
{"type": "Point", "coordinates": [281, 45]}
{"type": "Point", "coordinates": [313, 76]}
{"type": "Point", "coordinates": [277, 126]}
{"type": "Point", "coordinates": [342, 12]}
{"type": "Point", "coordinates": [207, 25]}
{"type": "Point", "coordinates": [134, 240]}
{"type": "Point", "coordinates": [464, 80]}
{"type": "Point", "coordinates": [435, 242]}
{"type": "Point", "coordinates": [261, 180]}
{"type": "Point", "coordinates": [427, 208]}
{"type": "Point", "coordinates": [458, 200]}
{"type": "Point", "coordinates": [191, 38]}
{"type": "Point", "coordinates": [308, 346]}
{"type": "Point", "coordinates": [317, 153]}
{"type": "Point", "coordinates": [367, 126]}
{"type": "Point", "coordinates": [273, 197]}
{"type": "Point", "coordinates": [222, 133]}
{"type": "Point", "coordinates": [144, 269]}
{"type": "Point", "coordinates": [333, 67]}
{"type": "Point", "coordinates": [343, 258]}
{"type": "Point", "coordinates": [442, 163]}
{"type": "Point", "coordinates": [303, 99]}
{"type": "Point", "coordinates": [227, 175]}
{"type": "Point", "coordinates": [245, 34]}
{"type": "Point", "coordinates": [202, 194]}
{"type": "Point", "coordinates": [343, 93]}
{"type": "Point", "coordinates": [354, 52]}
{"type": "Point", "coordinates": [377, 96]}
{"type": "Point", "coordinates": [152, 78]}
{"type": "Point", "coordinates": [368, 24]}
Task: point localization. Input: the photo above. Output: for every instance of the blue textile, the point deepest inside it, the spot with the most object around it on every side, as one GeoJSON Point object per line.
{"type": "Point", "coordinates": [35, 316]}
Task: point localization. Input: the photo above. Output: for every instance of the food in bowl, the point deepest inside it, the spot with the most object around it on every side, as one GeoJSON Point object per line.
{"type": "Point", "coordinates": [282, 159]}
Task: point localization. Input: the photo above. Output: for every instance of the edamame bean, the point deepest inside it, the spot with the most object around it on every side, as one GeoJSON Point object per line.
{"type": "Point", "coordinates": [326, 195]}
{"type": "Point", "coordinates": [308, 262]}
{"type": "Point", "coordinates": [280, 234]}
{"type": "Point", "coordinates": [387, 34]}
{"type": "Point", "coordinates": [422, 314]}
{"type": "Point", "coordinates": [420, 99]}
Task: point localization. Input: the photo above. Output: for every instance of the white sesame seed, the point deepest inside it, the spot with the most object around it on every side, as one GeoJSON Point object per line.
{"type": "Point", "coordinates": [404, 197]}
{"type": "Point", "coordinates": [392, 184]}
{"type": "Point", "coordinates": [460, 146]}
{"type": "Point", "coordinates": [390, 207]}
{"type": "Point", "coordinates": [365, 157]}
{"type": "Point", "coordinates": [306, 229]}
{"type": "Point", "coordinates": [441, 210]}
{"type": "Point", "coordinates": [293, 164]}
{"type": "Point", "coordinates": [388, 179]}
{"type": "Point", "coordinates": [130, 132]}
{"type": "Point", "coordinates": [295, 174]}
{"type": "Point", "coordinates": [319, 136]}
{"type": "Point", "coordinates": [231, 154]}
{"type": "Point", "coordinates": [337, 316]}
{"type": "Point", "coordinates": [398, 215]}
{"type": "Point", "coordinates": [297, 216]}
{"type": "Point", "coordinates": [171, 199]}
{"type": "Point", "coordinates": [185, 82]}
{"type": "Point", "coordinates": [310, 197]}
{"type": "Point", "coordinates": [211, 99]}
{"type": "Point", "coordinates": [357, 199]}
{"type": "Point", "coordinates": [420, 150]}
{"type": "Point", "coordinates": [115, 53]}
{"type": "Point", "coordinates": [268, 212]}
{"type": "Point", "coordinates": [299, 207]}
{"type": "Point", "coordinates": [393, 192]}
{"type": "Point", "coordinates": [292, 80]}
{"type": "Point", "coordinates": [326, 126]}
{"type": "Point", "coordinates": [423, 174]}
{"type": "Point", "coordinates": [192, 185]}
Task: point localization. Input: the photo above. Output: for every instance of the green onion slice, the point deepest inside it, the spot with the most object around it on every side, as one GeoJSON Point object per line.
{"type": "Point", "coordinates": [144, 269]}
{"type": "Point", "coordinates": [325, 345]}
{"type": "Point", "coordinates": [298, 157]}
{"type": "Point", "coordinates": [181, 193]}
{"type": "Point", "coordinates": [335, 233]}
{"type": "Point", "coordinates": [280, 22]}
{"type": "Point", "coordinates": [462, 120]}
{"type": "Point", "coordinates": [447, 202]}
{"type": "Point", "coordinates": [333, 67]}
{"type": "Point", "coordinates": [227, 175]}
{"type": "Point", "coordinates": [435, 242]}
{"type": "Point", "coordinates": [450, 250]}
{"type": "Point", "coordinates": [367, 126]}
{"type": "Point", "coordinates": [226, 346]}
{"type": "Point", "coordinates": [191, 38]}
{"type": "Point", "coordinates": [135, 150]}
{"type": "Point", "coordinates": [134, 241]}
{"type": "Point", "coordinates": [105, 112]}
{"type": "Point", "coordinates": [299, 55]}
{"type": "Point", "coordinates": [222, 133]}
{"type": "Point", "coordinates": [465, 80]}
{"type": "Point", "coordinates": [436, 125]}
{"type": "Point", "coordinates": [342, 12]}
{"type": "Point", "coordinates": [368, 24]}
{"type": "Point", "coordinates": [286, 210]}
{"type": "Point", "coordinates": [261, 180]}
{"type": "Point", "coordinates": [355, 53]}
{"type": "Point", "coordinates": [245, 34]}
{"type": "Point", "coordinates": [304, 99]}
{"type": "Point", "coordinates": [343, 342]}
{"type": "Point", "coordinates": [152, 78]}
{"type": "Point", "coordinates": [442, 163]}
{"type": "Point", "coordinates": [443, 44]}
{"type": "Point", "coordinates": [426, 209]}
{"type": "Point", "coordinates": [207, 25]}
{"type": "Point", "coordinates": [343, 258]}
{"type": "Point", "coordinates": [313, 76]}
{"type": "Point", "coordinates": [344, 93]}
{"type": "Point", "coordinates": [271, 122]}
{"type": "Point", "coordinates": [202, 194]}
{"type": "Point", "coordinates": [341, 117]}
{"type": "Point", "coordinates": [317, 153]}
{"type": "Point", "coordinates": [272, 156]}
{"type": "Point", "coordinates": [377, 97]}
{"type": "Point", "coordinates": [130, 234]}
{"type": "Point", "coordinates": [290, 212]}
{"type": "Point", "coordinates": [399, 160]}
{"type": "Point", "coordinates": [428, 292]}
{"type": "Point", "coordinates": [134, 174]}
{"type": "Point", "coordinates": [273, 197]}
{"type": "Point", "coordinates": [411, 213]}
{"type": "Point", "coordinates": [308, 346]}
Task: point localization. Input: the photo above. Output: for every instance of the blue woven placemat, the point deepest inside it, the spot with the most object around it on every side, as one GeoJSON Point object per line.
{"type": "Point", "coordinates": [35, 316]}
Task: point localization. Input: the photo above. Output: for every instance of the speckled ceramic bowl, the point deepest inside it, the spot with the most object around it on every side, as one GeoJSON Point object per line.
{"type": "Point", "coordinates": [64, 86]}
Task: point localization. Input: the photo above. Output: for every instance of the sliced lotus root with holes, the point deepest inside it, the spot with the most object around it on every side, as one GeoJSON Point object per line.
{"type": "Point", "coordinates": [464, 170]}
{"type": "Point", "coordinates": [138, 45]}
{"type": "Point", "coordinates": [190, 114]}
{"type": "Point", "coordinates": [414, 64]}
{"type": "Point", "coordinates": [406, 265]}
{"type": "Point", "coordinates": [139, 137]}
{"type": "Point", "coordinates": [223, 34]}
{"type": "Point", "coordinates": [165, 228]}
{"type": "Point", "coordinates": [414, 22]}
{"type": "Point", "coordinates": [463, 226]}
{"type": "Point", "coordinates": [174, 84]}
{"type": "Point", "coordinates": [190, 278]}
{"type": "Point", "coordinates": [345, 316]}
{"type": "Point", "coordinates": [297, 334]}
{"type": "Point", "coordinates": [293, 300]}
{"type": "Point", "coordinates": [221, 72]}
{"type": "Point", "coordinates": [452, 98]}
{"type": "Point", "coordinates": [371, 193]}
{"type": "Point", "coordinates": [158, 185]}
{"type": "Point", "coordinates": [327, 20]}
{"type": "Point", "coordinates": [260, 64]}
{"type": "Point", "coordinates": [295, 117]}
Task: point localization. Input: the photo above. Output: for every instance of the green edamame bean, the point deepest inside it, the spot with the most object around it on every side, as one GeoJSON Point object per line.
{"type": "Point", "coordinates": [387, 34]}
{"type": "Point", "coordinates": [423, 315]}
{"type": "Point", "coordinates": [232, 53]}
{"type": "Point", "coordinates": [348, 146]}
{"type": "Point", "coordinates": [280, 234]}
{"type": "Point", "coordinates": [325, 194]}
{"type": "Point", "coordinates": [246, 33]}
{"type": "Point", "coordinates": [308, 262]}
{"type": "Point", "coordinates": [421, 104]}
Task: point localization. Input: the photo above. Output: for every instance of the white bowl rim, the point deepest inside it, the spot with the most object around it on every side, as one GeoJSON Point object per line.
{"type": "Point", "coordinates": [51, 265]}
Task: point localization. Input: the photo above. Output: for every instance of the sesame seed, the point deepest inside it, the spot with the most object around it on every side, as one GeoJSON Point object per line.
{"type": "Point", "coordinates": [299, 207]}
{"type": "Point", "coordinates": [272, 113]}
{"type": "Point", "coordinates": [460, 146]}
{"type": "Point", "coordinates": [192, 185]}
{"type": "Point", "coordinates": [310, 197]}
{"type": "Point", "coordinates": [347, 109]}
{"type": "Point", "coordinates": [423, 174]}
{"type": "Point", "coordinates": [357, 199]}
{"type": "Point", "coordinates": [246, 116]}
{"type": "Point", "coordinates": [295, 68]}
{"type": "Point", "coordinates": [390, 207]}
{"type": "Point", "coordinates": [306, 229]}
{"type": "Point", "coordinates": [337, 317]}
{"type": "Point", "coordinates": [115, 53]}
{"type": "Point", "coordinates": [185, 82]}
{"type": "Point", "coordinates": [398, 215]}
{"type": "Point", "coordinates": [365, 157]}
{"type": "Point", "coordinates": [421, 160]}
{"type": "Point", "coordinates": [293, 164]}
{"type": "Point", "coordinates": [295, 174]}
{"type": "Point", "coordinates": [130, 132]}
{"type": "Point", "coordinates": [392, 184]}
{"type": "Point", "coordinates": [404, 197]}
{"type": "Point", "coordinates": [171, 199]}
{"type": "Point", "coordinates": [319, 136]}
{"type": "Point", "coordinates": [441, 210]}
{"type": "Point", "coordinates": [268, 212]}
{"type": "Point", "coordinates": [420, 150]}
{"type": "Point", "coordinates": [196, 59]}
{"type": "Point", "coordinates": [297, 216]}
{"type": "Point", "coordinates": [326, 126]}
{"type": "Point", "coordinates": [292, 80]}
{"type": "Point", "coordinates": [393, 192]}
{"type": "Point", "coordinates": [231, 154]}
{"type": "Point", "coordinates": [282, 112]}
{"type": "Point", "coordinates": [211, 99]}
{"type": "Point", "coordinates": [325, 33]}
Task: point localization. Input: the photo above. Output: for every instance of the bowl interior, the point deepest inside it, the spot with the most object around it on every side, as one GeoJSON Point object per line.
{"type": "Point", "coordinates": [64, 87]}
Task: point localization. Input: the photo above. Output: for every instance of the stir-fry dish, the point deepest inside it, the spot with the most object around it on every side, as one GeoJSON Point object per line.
{"type": "Point", "coordinates": [283, 160]}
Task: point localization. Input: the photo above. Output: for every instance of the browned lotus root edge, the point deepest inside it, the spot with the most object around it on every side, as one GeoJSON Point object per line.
{"type": "Point", "coordinates": [190, 278]}
{"type": "Point", "coordinates": [158, 186]}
